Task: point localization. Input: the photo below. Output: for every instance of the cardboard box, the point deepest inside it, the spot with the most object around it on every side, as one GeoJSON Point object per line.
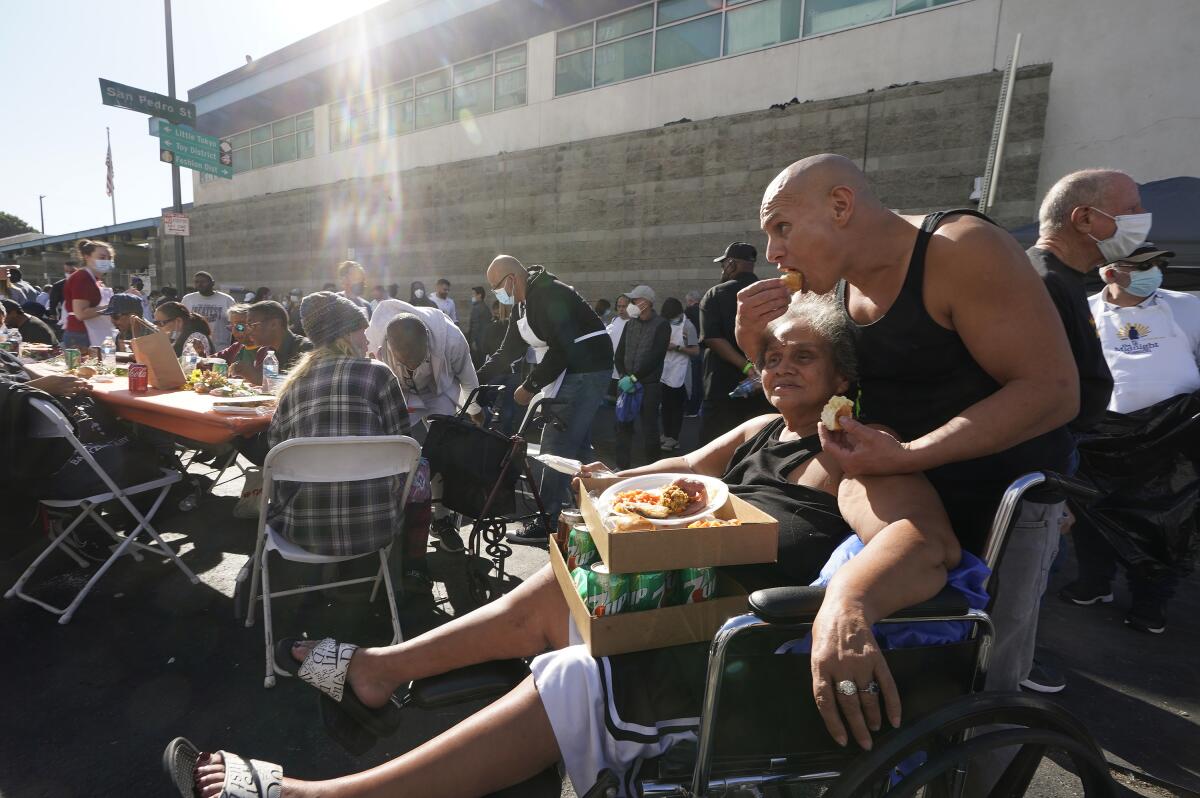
{"type": "Point", "coordinates": [755, 541]}
{"type": "Point", "coordinates": [640, 631]}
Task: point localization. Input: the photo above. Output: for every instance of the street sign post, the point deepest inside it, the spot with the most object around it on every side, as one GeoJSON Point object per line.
{"type": "Point", "coordinates": [147, 102]}
{"type": "Point", "coordinates": [176, 224]}
{"type": "Point", "coordinates": [181, 145]}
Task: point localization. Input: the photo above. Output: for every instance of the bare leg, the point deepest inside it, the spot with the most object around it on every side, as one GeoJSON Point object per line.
{"type": "Point", "coordinates": [524, 623]}
{"type": "Point", "coordinates": [474, 758]}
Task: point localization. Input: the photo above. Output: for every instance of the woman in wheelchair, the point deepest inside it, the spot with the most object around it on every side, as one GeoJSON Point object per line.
{"type": "Point", "coordinates": [570, 708]}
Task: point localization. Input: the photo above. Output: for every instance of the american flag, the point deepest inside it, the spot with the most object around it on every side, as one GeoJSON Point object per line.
{"type": "Point", "coordinates": [108, 186]}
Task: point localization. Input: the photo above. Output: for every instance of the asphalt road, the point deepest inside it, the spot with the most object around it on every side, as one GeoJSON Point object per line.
{"type": "Point", "coordinates": [89, 706]}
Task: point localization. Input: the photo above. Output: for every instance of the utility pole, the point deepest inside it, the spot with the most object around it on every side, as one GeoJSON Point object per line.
{"type": "Point", "coordinates": [42, 211]}
{"type": "Point", "coordinates": [176, 194]}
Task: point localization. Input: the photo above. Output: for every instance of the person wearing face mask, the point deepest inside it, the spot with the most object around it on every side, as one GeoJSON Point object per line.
{"type": "Point", "coordinates": [574, 360]}
{"type": "Point", "coordinates": [639, 362]}
{"type": "Point", "coordinates": [189, 332]}
{"type": "Point", "coordinates": [353, 278]}
{"type": "Point", "coordinates": [336, 390]}
{"type": "Point", "coordinates": [676, 376]}
{"type": "Point", "coordinates": [725, 364]}
{"type": "Point", "coordinates": [211, 305]}
{"type": "Point", "coordinates": [417, 296]}
{"type": "Point", "coordinates": [85, 296]}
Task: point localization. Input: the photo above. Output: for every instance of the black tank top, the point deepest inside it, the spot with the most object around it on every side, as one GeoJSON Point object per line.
{"type": "Point", "coordinates": [810, 525]}
{"type": "Point", "coordinates": [915, 375]}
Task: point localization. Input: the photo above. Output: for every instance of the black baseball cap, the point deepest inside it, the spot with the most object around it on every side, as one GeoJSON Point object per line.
{"type": "Point", "coordinates": [1144, 254]}
{"type": "Point", "coordinates": [123, 304]}
{"type": "Point", "coordinates": [739, 250]}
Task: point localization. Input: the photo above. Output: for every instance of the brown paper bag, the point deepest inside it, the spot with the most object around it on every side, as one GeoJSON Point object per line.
{"type": "Point", "coordinates": [152, 348]}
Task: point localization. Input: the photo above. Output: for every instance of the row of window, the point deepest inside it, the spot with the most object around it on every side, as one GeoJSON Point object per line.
{"type": "Point", "coordinates": [484, 84]}
{"type": "Point", "coordinates": [657, 36]}
{"type": "Point", "coordinates": [673, 33]}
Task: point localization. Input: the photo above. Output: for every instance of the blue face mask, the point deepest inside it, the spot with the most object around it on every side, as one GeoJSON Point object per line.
{"type": "Point", "coordinates": [1145, 283]}
{"type": "Point", "coordinates": [504, 298]}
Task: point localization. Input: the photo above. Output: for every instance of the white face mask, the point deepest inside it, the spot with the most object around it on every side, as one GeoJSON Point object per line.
{"type": "Point", "coordinates": [633, 311]}
{"type": "Point", "coordinates": [102, 266]}
{"type": "Point", "coordinates": [1131, 233]}
{"type": "Point", "coordinates": [419, 293]}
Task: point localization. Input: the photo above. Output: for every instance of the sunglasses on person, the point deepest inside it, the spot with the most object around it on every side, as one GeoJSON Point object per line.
{"type": "Point", "coordinates": [1141, 267]}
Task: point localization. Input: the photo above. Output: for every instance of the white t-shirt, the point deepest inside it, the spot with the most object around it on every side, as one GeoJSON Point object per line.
{"type": "Point", "coordinates": [447, 306]}
{"type": "Point", "coordinates": [677, 364]}
{"type": "Point", "coordinates": [1152, 348]}
{"type": "Point", "coordinates": [213, 308]}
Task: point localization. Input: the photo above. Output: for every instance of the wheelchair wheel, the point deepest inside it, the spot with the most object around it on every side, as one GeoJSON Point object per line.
{"type": "Point", "coordinates": [1032, 725]}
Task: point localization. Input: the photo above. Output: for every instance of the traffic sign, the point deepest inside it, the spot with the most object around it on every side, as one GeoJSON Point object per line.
{"type": "Point", "coordinates": [195, 150]}
{"type": "Point", "coordinates": [147, 102]}
{"type": "Point", "coordinates": [176, 224]}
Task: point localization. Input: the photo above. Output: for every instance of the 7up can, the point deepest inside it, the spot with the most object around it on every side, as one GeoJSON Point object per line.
{"type": "Point", "coordinates": [581, 549]}
{"type": "Point", "coordinates": [693, 585]}
{"type": "Point", "coordinates": [602, 593]}
{"type": "Point", "coordinates": [647, 591]}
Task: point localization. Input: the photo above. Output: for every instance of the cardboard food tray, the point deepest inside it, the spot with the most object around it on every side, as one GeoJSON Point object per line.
{"type": "Point", "coordinates": [648, 629]}
{"type": "Point", "coordinates": [755, 541]}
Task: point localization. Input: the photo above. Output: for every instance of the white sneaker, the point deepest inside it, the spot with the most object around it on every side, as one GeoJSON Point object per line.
{"type": "Point", "coordinates": [669, 444]}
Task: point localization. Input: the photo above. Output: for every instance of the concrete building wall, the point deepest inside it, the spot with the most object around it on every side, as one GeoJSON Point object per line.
{"type": "Point", "coordinates": [1114, 101]}
{"type": "Point", "coordinates": [604, 213]}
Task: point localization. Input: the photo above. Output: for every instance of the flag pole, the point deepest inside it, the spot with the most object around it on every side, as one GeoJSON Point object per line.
{"type": "Point", "coordinates": [112, 191]}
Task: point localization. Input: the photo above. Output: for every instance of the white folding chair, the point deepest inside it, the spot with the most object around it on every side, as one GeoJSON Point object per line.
{"type": "Point", "coordinates": [51, 423]}
{"type": "Point", "coordinates": [339, 459]}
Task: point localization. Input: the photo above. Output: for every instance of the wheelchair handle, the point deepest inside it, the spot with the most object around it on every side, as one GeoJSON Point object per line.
{"type": "Point", "coordinates": [1071, 487]}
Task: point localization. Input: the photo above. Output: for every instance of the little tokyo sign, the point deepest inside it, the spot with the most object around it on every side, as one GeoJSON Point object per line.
{"type": "Point", "coordinates": [147, 102]}
{"type": "Point", "coordinates": [194, 150]}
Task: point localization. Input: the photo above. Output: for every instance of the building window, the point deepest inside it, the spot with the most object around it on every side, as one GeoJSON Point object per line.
{"type": "Point", "coordinates": [477, 86]}
{"type": "Point", "coordinates": [287, 139]}
{"type": "Point", "coordinates": [668, 34]}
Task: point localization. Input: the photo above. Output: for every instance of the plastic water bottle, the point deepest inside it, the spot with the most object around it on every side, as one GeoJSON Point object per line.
{"type": "Point", "coordinates": [190, 359]}
{"type": "Point", "coordinates": [14, 341]}
{"type": "Point", "coordinates": [746, 387]}
{"type": "Point", "coordinates": [3, 337]}
{"type": "Point", "coordinates": [110, 351]}
{"type": "Point", "coordinates": [270, 370]}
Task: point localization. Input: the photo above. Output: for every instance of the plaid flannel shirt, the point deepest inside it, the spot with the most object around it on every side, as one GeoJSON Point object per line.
{"type": "Point", "coordinates": [340, 396]}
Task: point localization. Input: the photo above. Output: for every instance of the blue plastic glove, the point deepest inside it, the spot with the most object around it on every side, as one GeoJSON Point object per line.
{"type": "Point", "coordinates": [626, 383]}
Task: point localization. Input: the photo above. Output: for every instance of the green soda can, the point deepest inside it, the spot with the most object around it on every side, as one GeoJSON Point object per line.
{"type": "Point", "coordinates": [221, 368]}
{"type": "Point", "coordinates": [581, 549]}
{"type": "Point", "coordinates": [647, 591]}
{"type": "Point", "coordinates": [693, 585]}
{"type": "Point", "coordinates": [607, 594]}
{"type": "Point", "coordinates": [72, 357]}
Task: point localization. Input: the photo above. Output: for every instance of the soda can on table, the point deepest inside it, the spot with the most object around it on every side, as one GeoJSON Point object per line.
{"type": "Point", "coordinates": [647, 591]}
{"type": "Point", "coordinates": [71, 357]}
{"type": "Point", "coordinates": [221, 368]}
{"type": "Point", "coordinates": [139, 378]}
{"type": "Point", "coordinates": [581, 549]}
{"type": "Point", "coordinates": [608, 594]}
{"type": "Point", "coordinates": [693, 585]}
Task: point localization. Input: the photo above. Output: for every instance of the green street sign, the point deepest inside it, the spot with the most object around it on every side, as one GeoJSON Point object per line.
{"type": "Point", "coordinates": [147, 102]}
{"type": "Point", "coordinates": [189, 148]}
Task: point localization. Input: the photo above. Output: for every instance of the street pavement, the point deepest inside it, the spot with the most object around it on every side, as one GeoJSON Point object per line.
{"type": "Point", "coordinates": [149, 656]}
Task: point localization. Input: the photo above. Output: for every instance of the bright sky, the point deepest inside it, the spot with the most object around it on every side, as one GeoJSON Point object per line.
{"type": "Point", "coordinates": [52, 128]}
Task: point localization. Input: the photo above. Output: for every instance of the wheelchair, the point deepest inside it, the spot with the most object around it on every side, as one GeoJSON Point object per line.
{"type": "Point", "coordinates": [486, 476]}
{"type": "Point", "coordinates": [753, 741]}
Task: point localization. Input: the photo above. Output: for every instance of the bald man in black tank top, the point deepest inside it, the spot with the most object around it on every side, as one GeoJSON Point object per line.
{"type": "Point", "coordinates": [961, 352]}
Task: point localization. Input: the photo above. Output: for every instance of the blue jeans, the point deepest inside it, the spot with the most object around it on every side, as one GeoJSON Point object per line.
{"type": "Point", "coordinates": [584, 394]}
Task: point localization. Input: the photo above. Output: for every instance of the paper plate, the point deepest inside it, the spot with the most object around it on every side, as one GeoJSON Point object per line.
{"type": "Point", "coordinates": [718, 493]}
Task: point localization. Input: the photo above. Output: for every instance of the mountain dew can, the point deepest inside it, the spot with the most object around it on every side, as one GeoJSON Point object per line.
{"type": "Point", "coordinates": [581, 549]}
{"type": "Point", "coordinates": [647, 591]}
{"type": "Point", "coordinates": [693, 585]}
{"type": "Point", "coordinates": [602, 593]}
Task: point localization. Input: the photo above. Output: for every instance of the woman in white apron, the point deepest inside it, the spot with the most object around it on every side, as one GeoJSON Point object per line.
{"type": "Point", "coordinates": [676, 376]}
{"type": "Point", "coordinates": [85, 298]}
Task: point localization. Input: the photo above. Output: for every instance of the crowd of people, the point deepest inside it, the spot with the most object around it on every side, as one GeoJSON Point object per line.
{"type": "Point", "coordinates": [898, 312]}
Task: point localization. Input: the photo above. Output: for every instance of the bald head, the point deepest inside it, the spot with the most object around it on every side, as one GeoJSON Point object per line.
{"type": "Point", "coordinates": [813, 178]}
{"type": "Point", "coordinates": [1107, 189]}
{"type": "Point", "coordinates": [504, 267]}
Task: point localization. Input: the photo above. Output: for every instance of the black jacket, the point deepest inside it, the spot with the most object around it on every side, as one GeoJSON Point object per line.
{"type": "Point", "coordinates": [558, 316]}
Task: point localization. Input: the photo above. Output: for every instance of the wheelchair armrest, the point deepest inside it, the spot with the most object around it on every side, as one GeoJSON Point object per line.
{"type": "Point", "coordinates": [473, 683]}
{"type": "Point", "coordinates": [800, 604]}
{"type": "Point", "coordinates": [1071, 487]}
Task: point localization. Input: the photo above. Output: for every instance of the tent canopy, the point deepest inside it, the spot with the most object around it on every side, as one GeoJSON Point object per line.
{"type": "Point", "coordinates": [1175, 203]}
